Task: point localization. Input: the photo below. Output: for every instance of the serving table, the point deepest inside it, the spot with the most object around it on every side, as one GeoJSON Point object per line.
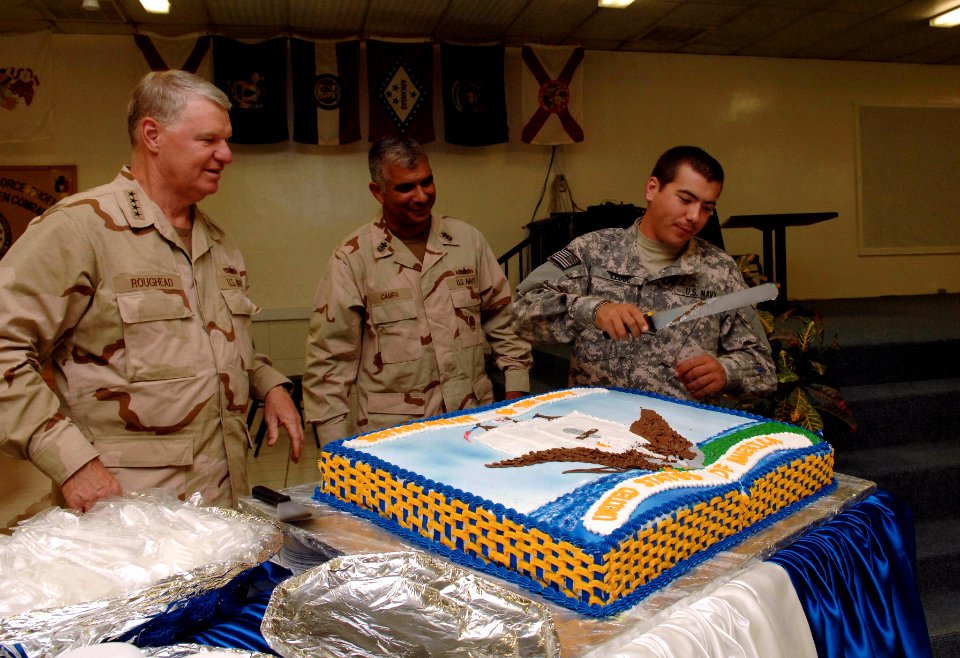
{"type": "Point", "coordinates": [842, 616]}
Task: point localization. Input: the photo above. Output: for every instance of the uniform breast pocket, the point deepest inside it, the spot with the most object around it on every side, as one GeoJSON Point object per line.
{"type": "Point", "coordinates": [242, 310]}
{"type": "Point", "coordinates": [398, 332]}
{"type": "Point", "coordinates": [615, 290]}
{"type": "Point", "coordinates": [466, 308]}
{"type": "Point", "coordinates": [156, 335]}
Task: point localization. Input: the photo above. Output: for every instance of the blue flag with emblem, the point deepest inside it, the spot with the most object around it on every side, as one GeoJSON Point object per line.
{"type": "Point", "coordinates": [474, 101]}
{"type": "Point", "coordinates": [254, 78]}
{"type": "Point", "coordinates": [400, 83]}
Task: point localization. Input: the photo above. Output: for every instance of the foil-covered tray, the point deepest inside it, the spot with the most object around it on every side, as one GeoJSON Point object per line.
{"type": "Point", "coordinates": [403, 604]}
{"type": "Point", "coordinates": [50, 631]}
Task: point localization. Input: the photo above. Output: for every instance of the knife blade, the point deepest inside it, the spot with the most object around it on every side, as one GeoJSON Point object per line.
{"type": "Point", "coordinates": [762, 293]}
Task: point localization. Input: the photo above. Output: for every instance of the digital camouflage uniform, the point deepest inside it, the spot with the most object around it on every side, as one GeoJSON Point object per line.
{"type": "Point", "coordinates": [152, 355]}
{"type": "Point", "coordinates": [409, 337]}
{"type": "Point", "coordinates": [557, 303]}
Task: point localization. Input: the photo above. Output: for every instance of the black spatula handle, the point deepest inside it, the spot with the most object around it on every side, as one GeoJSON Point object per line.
{"type": "Point", "coordinates": [268, 495]}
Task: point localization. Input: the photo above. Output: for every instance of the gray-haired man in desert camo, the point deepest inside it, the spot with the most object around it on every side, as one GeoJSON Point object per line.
{"type": "Point", "coordinates": [140, 302]}
{"type": "Point", "coordinates": [594, 293]}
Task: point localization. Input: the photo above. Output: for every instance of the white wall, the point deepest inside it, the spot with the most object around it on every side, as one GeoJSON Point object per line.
{"type": "Point", "coordinates": [785, 131]}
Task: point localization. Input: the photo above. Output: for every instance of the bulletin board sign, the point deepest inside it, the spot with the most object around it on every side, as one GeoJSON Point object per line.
{"type": "Point", "coordinates": [28, 191]}
{"type": "Point", "coordinates": [908, 162]}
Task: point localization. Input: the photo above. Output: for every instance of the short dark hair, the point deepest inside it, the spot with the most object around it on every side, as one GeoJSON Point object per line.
{"type": "Point", "coordinates": [403, 151]}
{"type": "Point", "coordinates": [699, 160]}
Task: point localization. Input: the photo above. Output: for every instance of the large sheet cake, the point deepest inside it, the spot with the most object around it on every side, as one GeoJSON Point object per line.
{"type": "Point", "coordinates": [590, 497]}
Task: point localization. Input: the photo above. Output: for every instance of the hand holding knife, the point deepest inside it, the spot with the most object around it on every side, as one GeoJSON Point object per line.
{"type": "Point", "coordinates": [624, 318]}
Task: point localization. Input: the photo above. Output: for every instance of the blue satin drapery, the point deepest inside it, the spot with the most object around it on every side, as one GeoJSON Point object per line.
{"type": "Point", "coordinates": [854, 576]}
{"type": "Point", "coordinates": [856, 579]}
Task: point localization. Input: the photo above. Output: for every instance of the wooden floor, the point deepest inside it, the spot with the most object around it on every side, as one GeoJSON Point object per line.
{"type": "Point", "coordinates": [272, 468]}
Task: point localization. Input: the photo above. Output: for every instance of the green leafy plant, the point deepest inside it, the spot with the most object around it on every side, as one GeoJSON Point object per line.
{"type": "Point", "coordinates": [803, 396]}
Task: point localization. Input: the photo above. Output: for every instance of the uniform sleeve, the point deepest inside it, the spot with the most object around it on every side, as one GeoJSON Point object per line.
{"type": "Point", "coordinates": [333, 349]}
{"type": "Point", "coordinates": [46, 282]}
{"type": "Point", "coordinates": [552, 305]}
{"type": "Point", "coordinates": [513, 356]}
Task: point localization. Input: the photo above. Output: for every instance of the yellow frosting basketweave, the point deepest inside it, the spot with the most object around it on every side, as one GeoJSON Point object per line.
{"type": "Point", "coordinates": [596, 579]}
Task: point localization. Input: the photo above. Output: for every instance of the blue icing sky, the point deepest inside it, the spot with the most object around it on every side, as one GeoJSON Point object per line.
{"type": "Point", "coordinates": [444, 455]}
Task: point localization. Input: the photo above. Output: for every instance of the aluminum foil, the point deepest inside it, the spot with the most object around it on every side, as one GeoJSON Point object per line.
{"type": "Point", "coordinates": [403, 604]}
{"type": "Point", "coordinates": [582, 636]}
{"type": "Point", "coordinates": [51, 631]}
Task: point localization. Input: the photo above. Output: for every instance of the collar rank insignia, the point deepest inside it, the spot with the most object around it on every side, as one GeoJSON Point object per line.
{"type": "Point", "coordinates": [134, 204]}
{"type": "Point", "coordinates": [382, 247]}
{"type": "Point", "coordinates": [446, 236]}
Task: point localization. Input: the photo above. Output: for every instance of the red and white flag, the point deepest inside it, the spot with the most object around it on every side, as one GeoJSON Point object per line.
{"type": "Point", "coordinates": [26, 87]}
{"type": "Point", "coordinates": [552, 94]}
{"type": "Point", "coordinates": [188, 53]}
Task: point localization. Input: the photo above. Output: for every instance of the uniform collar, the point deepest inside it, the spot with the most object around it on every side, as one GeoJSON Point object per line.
{"type": "Point", "coordinates": [141, 212]}
{"type": "Point", "coordinates": [384, 243]}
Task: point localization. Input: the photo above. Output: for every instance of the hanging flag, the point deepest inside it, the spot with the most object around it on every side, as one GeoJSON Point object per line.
{"type": "Point", "coordinates": [26, 94]}
{"type": "Point", "coordinates": [184, 53]}
{"type": "Point", "coordinates": [400, 82]}
{"type": "Point", "coordinates": [326, 91]}
{"type": "Point", "coordinates": [552, 90]}
{"type": "Point", "coordinates": [474, 101]}
{"type": "Point", "coordinates": [254, 78]}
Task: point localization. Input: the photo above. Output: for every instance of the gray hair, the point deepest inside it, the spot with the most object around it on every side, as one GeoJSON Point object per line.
{"type": "Point", "coordinates": [162, 95]}
{"type": "Point", "coordinates": [402, 151]}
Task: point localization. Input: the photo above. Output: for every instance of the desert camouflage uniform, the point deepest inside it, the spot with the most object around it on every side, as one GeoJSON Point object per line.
{"type": "Point", "coordinates": [410, 337]}
{"type": "Point", "coordinates": [559, 299]}
{"type": "Point", "coordinates": [153, 356]}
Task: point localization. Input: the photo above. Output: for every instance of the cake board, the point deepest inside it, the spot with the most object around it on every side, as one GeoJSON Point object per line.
{"type": "Point", "coordinates": [338, 532]}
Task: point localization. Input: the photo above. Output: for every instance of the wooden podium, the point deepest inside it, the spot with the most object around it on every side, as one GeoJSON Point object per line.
{"type": "Point", "coordinates": [774, 229]}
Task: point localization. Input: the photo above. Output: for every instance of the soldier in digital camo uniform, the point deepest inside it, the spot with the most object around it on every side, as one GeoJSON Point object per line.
{"type": "Point", "coordinates": [140, 302]}
{"type": "Point", "coordinates": [594, 293]}
{"type": "Point", "coordinates": [404, 308]}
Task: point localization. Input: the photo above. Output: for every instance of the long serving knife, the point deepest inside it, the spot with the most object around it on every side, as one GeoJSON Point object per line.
{"type": "Point", "coordinates": [661, 319]}
{"type": "Point", "coordinates": [762, 293]}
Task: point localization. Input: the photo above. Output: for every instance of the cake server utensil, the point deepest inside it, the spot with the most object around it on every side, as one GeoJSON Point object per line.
{"type": "Point", "coordinates": [288, 511]}
{"type": "Point", "coordinates": [762, 293]}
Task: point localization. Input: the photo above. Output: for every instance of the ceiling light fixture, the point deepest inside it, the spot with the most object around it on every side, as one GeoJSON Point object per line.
{"type": "Point", "coordinates": [614, 4]}
{"type": "Point", "coordinates": [947, 19]}
{"type": "Point", "coordinates": [156, 6]}
{"type": "Point", "coordinates": [91, 5]}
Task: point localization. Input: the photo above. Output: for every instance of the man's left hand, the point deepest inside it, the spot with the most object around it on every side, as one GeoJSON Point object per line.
{"type": "Point", "coordinates": [279, 409]}
{"type": "Point", "coordinates": [702, 376]}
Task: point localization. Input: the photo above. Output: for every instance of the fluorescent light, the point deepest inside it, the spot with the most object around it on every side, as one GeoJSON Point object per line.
{"type": "Point", "coordinates": [614, 4]}
{"type": "Point", "coordinates": [91, 5]}
{"type": "Point", "coordinates": [947, 19]}
{"type": "Point", "coordinates": [156, 6]}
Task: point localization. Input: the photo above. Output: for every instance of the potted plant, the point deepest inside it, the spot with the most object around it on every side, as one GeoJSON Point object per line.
{"type": "Point", "coordinates": [804, 395]}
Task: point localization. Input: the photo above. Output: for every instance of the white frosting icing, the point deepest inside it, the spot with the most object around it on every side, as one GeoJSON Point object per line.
{"type": "Point", "coordinates": [492, 416]}
{"type": "Point", "coordinates": [614, 507]}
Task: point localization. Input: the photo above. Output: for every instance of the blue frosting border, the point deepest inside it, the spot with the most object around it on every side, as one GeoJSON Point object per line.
{"type": "Point", "coordinates": [598, 548]}
{"type": "Point", "coordinates": [591, 610]}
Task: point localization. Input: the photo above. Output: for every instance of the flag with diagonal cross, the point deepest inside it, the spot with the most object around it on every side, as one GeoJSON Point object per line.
{"type": "Point", "coordinates": [552, 94]}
